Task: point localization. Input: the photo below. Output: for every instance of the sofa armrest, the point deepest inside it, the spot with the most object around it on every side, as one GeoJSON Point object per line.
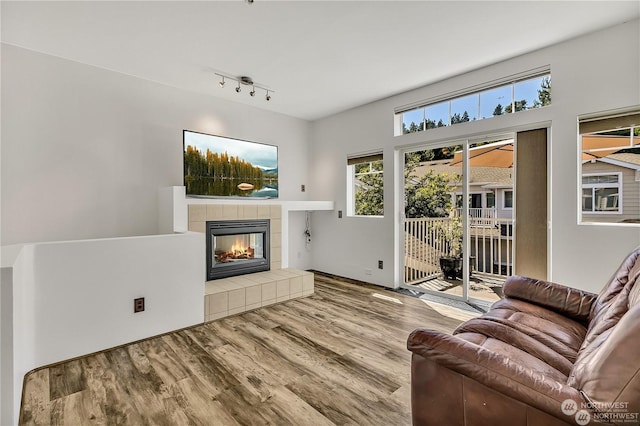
{"type": "Point", "coordinates": [567, 301]}
{"type": "Point", "coordinates": [494, 370]}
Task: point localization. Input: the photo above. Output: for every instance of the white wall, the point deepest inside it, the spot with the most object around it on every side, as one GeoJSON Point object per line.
{"type": "Point", "coordinates": [597, 72]}
{"type": "Point", "coordinates": [84, 149]}
{"type": "Point", "coordinates": [74, 298]}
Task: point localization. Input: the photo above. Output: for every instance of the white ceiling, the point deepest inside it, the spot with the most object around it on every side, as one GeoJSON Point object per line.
{"type": "Point", "coordinates": [320, 57]}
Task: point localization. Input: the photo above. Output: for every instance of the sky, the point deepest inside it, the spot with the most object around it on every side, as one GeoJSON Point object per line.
{"type": "Point", "coordinates": [261, 155]}
{"type": "Point", "coordinates": [489, 99]}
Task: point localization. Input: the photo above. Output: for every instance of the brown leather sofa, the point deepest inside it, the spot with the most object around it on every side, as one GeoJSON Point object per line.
{"type": "Point", "coordinates": [546, 354]}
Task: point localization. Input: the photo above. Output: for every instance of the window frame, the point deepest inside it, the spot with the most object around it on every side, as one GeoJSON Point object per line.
{"type": "Point", "coordinates": [352, 163]}
{"type": "Point", "coordinates": [504, 199]}
{"type": "Point", "coordinates": [510, 82]}
{"type": "Point", "coordinates": [595, 186]}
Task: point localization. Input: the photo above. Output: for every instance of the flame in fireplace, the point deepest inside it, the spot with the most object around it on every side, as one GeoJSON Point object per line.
{"type": "Point", "coordinates": [238, 251]}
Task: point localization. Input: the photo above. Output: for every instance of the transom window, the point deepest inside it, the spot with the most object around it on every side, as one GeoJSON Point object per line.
{"type": "Point", "coordinates": [526, 91]}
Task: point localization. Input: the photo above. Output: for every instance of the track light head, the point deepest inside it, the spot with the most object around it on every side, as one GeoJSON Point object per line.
{"type": "Point", "coordinates": [222, 82]}
{"type": "Point", "coordinates": [268, 97]}
{"type": "Point", "coordinates": [238, 89]}
{"type": "Point", "coordinates": [253, 91]}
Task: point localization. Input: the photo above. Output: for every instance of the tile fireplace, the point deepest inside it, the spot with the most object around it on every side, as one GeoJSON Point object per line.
{"type": "Point", "coordinates": [237, 247]}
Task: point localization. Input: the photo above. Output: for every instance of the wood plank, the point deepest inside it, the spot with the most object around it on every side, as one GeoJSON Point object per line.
{"type": "Point", "coordinates": [336, 357]}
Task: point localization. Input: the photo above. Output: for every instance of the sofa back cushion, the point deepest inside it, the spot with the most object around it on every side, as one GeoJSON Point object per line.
{"type": "Point", "coordinates": [609, 374]}
{"type": "Point", "coordinates": [607, 368]}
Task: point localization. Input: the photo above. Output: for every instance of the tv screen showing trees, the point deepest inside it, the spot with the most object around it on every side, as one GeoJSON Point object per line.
{"type": "Point", "coordinates": [215, 166]}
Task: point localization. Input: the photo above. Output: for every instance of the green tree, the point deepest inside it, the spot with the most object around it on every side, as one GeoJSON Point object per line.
{"type": "Point", "coordinates": [369, 194]}
{"type": "Point", "coordinates": [498, 110]}
{"type": "Point", "coordinates": [544, 93]}
{"type": "Point", "coordinates": [520, 106]}
{"type": "Point", "coordinates": [428, 195]}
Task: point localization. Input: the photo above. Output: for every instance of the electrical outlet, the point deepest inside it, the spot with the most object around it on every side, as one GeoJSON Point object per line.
{"type": "Point", "coordinates": [339, 214]}
{"type": "Point", "coordinates": [380, 265]}
{"type": "Point", "coordinates": [138, 305]}
{"type": "Point", "coordinates": [303, 188]}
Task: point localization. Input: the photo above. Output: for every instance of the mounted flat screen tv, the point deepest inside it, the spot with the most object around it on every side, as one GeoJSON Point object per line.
{"type": "Point", "coordinates": [215, 166]}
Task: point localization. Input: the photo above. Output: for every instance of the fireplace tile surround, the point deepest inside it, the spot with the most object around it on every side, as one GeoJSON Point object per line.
{"type": "Point", "coordinates": [233, 295]}
{"type": "Point", "coordinates": [199, 214]}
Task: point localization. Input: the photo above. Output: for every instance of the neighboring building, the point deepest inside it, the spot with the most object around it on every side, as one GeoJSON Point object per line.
{"type": "Point", "coordinates": [611, 188]}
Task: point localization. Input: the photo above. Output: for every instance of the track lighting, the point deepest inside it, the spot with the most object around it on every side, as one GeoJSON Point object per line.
{"type": "Point", "coordinates": [247, 81]}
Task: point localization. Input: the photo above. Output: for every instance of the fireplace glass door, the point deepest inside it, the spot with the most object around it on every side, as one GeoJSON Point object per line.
{"type": "Point", "coordinates": [236, 247]}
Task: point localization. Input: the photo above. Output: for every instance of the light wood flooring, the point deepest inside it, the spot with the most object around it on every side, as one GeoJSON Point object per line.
{"type": "Point", "coordinates": [335, 358]}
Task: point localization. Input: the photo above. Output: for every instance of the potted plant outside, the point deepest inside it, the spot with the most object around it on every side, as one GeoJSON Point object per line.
{"type": "Point", "coordinates": [451, 262]}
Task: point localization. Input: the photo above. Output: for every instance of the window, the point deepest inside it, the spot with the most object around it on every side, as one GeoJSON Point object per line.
{"type": "Point", "coordinates": [491, 200]}
{"type": "Point", "coordinates": [365, 190]}
{"type": "Point", "coordinates": [508, 199]}
{"type": "Point", "coordinates": [601, 193]}
{"type": "Point", "coordinates": [517, 93]}
{"type": "Point", "coordinates": [610, 167]}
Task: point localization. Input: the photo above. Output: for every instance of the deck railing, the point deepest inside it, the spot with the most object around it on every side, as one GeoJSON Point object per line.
{"type": "Point", "coordinates": [491, 246]}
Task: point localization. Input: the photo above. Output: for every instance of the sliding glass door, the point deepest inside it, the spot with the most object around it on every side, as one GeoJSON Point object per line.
{"type": "Point", "coordinates": [458, 218]}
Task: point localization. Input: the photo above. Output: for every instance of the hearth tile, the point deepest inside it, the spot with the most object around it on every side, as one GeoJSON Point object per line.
{"type": "Point", "coordinates": [214, 317]}
{"type": "Point", "coordinates": [214, 212]}
{"type": "Point", "coordinates": [236, 310]}
{"type": "Point", "coordinates": [219, 303]}
{"type": "Point", "coordinates": [235, 283]}
{"type": "Point", "coordinates": [213, 287]}
{"type": "Point", "coordinates": [295, 295]}
{"type": "Point", "coordinates": [268, 291]}
{"type": "Point", "coordinates": [197, 212]}
{"type": "Point", "coordinates": [307, 293]}
{"type": "Point", "coordinates": [276, 226]}
{"type": "Point", "coordinates": [206, 306]}
{"type": "Point", "coordinates": [236, 299]}
{"type": "Point", "coordinates": [282, 288]}
{"type": "Point", "coordinates": [259, 278]}
{"type": "Point", "coordinates": [283, 298]}
{"type": "Point", "coordinates": [253, 306]}
{"type": "Point", "coordinates": [263, 212]}
{"type": "Point", "coordinates": [197, 227]}
{"type": "Point", "coordinates": [276, 265]}
{"type": "Point", "coordinates": [283, 273]}
{"type": "Point", "coordinates": [268, 302]}
{"type": "Point", "coordinates": [307, 283]}
{"type": "Point", "coordinates": [270, 275]}
{"type": "Point", "coordinates": [253, 295]}
{"type": "Point", "coordinates": [295, 285]}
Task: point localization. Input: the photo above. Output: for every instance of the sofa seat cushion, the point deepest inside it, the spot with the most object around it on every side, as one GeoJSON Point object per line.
{"type": "Point", "coordinates": [563, 334]}
{"type": "Point", "coordinates": [523, 338]}
{"type": "Point", "coordinates": [514, 354]}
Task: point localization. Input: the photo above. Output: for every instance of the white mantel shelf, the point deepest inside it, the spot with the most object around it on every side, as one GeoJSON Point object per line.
{"type": "Point", "coordinates": [286, 205]}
